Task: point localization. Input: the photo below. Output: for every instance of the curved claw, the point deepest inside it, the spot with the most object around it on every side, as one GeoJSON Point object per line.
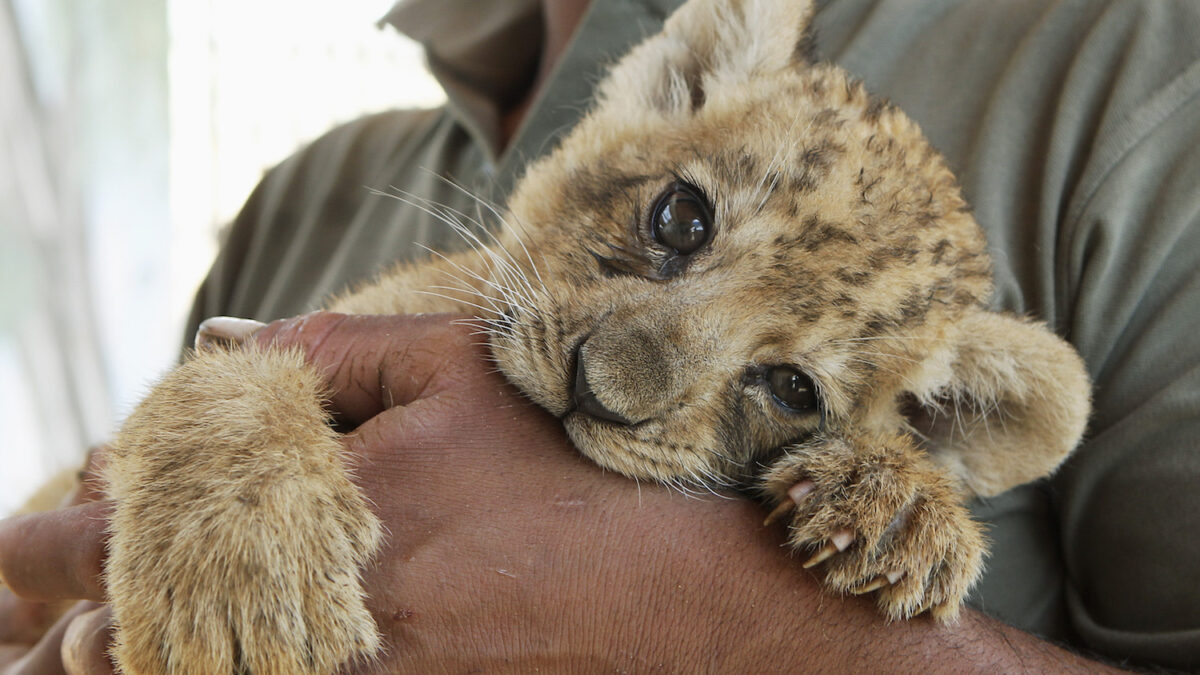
{"type": "Point", "coordinates": [800, 491]}
{"type": "Point", "coordinates": [836, 544]}
{"type": "Point", "coordinates": [821, 556]}
{"type": "Point", "coordinates": [779, 511]}
{"type": "Point", "coordinates": [795, 497]}
{"type": "Point", "coordinates": [872, 585]}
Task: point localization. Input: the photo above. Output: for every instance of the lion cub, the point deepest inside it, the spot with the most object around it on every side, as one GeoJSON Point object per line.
{"type": "Point", "coordinates": [739, 270]}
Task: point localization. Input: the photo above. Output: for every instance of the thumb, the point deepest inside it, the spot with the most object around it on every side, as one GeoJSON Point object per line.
{"type": "Point", "coordinates": [87, 641]}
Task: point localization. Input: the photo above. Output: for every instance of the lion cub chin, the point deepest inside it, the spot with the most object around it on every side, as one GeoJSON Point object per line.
{"type": "Point", "coordinates": [739, 270]}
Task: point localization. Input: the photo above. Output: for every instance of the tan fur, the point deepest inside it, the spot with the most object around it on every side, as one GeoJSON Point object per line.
{"type": "Point", "coordinates": [842, 248]}
{"type": "Point", "coordinates": [237, 535]}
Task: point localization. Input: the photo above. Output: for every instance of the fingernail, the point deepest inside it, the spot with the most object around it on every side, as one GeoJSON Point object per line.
{"type": "Point", "coordinates": [224, 330]}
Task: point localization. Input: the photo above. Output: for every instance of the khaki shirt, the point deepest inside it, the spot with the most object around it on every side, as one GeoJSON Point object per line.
{"type": "Point", "coordinates": [1074, 128]}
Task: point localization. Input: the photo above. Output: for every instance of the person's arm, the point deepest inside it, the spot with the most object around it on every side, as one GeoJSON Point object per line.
{"type": "Point", "coordinates": [508, 551]}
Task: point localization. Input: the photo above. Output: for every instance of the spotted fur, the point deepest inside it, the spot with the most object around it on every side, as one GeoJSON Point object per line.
{"type": "Point", "coordinates": [840, 249]}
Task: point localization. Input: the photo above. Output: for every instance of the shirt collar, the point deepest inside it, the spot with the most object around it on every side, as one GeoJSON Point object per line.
{"type": "Point", "coordinates": [483, 52]}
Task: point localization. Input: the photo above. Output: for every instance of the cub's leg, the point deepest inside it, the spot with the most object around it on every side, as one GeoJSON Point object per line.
{"type": "Point", "coordinates": [237, 536]}
{"type": "Point", "coordinates": [880, 516]}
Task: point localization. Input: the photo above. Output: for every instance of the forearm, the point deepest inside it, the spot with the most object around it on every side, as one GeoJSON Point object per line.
{"type": "Point", "coordinates": [853, 637]}
{"type": "Point", "coordinates": [629, 582]}
{"type": "Point", "coordinates": [765, 609]}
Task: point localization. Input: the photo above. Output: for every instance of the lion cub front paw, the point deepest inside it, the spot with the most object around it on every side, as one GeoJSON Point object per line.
{"type": "Point", "coordinates": [237, 535]}
{"type": "Point", "coordinates": [879, 516]}
{"type": "Point", "coordinates": [243, 598]}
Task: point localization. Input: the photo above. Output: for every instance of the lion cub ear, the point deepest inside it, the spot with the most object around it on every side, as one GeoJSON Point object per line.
{"type": "Point", "coordinates": [1012, 406]}
{"type": "Point", "coordinates": [706, 44]}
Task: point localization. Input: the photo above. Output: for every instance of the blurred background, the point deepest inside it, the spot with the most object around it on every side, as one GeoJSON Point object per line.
{"type": "Point", "coordinates": [130, 132]}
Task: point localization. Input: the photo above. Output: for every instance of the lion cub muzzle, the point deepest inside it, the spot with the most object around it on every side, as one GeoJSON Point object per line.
{"type": "Point", "coordinates": [628, 371]}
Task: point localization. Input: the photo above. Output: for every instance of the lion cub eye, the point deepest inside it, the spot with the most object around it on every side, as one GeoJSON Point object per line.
{"type": "Point", "coordinates": [681, 220]}
{"type": "Point", "coordinates": [792, 389]}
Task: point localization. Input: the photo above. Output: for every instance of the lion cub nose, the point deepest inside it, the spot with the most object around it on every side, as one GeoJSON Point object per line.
{"type": "Point", "coordinates": [626, 372]}
{"type": "Point", "coordinates": [584, 400]}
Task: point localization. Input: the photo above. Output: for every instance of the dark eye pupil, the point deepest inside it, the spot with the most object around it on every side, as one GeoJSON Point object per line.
{"type": "Point", "coordinates": [681, 222]}
{"type": "Point", "coordinates": [792, 388]}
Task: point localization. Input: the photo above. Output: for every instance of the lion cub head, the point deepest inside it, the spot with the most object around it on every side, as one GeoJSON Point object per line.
{"type": "Point", "coordinates": [739, 248]}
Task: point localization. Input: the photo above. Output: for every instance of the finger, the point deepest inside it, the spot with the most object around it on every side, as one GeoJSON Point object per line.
{"type": "Point", "coordinates": [55, 555]}
{"type": "Point", "coordinates": [86, 641]}
{"type": "Point", "coordinates": [373, 363]}
{"type": "Point", "coordinates": [415, 444]}
{"type": "Point", "coordinates": [10, 654]}
{"type": "Point", "coordinates": [24, 622]}
{"type": "Point", "coordinates": [45, 658]}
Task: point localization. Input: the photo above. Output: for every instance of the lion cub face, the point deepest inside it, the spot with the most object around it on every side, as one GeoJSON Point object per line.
{"type": "Point", "coordinates": [735, 250]}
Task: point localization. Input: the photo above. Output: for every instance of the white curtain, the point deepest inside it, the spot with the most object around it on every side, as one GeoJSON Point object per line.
{"type": "Point", "coordinates": [67, 99]}
{"type": "Point", "coordinates": [113, 184]}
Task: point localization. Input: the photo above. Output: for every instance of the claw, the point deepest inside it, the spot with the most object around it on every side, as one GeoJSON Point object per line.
{"type": "Point", "coordinates": [837, 543]}
{"type": "Point", "coordinates": [894, 576]}
{"type": "Point", "coordinates": [842, 539]}
{"type": "Point", "coordinates": [784, 506]}
{"type": "Point", "coordinates": [946, 612]}
{"type": "Point", "coordinates": [821, 556]}
{"type": "Point", "coordinates": [799, 492]}
{"type": "Point", "coordinates": [795, 497]}
{"type": "Point", "coordinates": [872, 585]}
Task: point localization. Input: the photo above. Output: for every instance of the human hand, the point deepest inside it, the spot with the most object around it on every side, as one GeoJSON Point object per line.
{"type": "Point", "coordinates": [422, 401]}
{"type": "Point", "coordinates": [508, 551]}
{"type": "Point", "coordinates": [51, 559]}
{"type": "Point", "coordinates": [506, 548]}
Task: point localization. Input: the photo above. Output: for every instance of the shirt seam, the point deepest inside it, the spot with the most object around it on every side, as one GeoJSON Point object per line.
{"type": "Point", "coordinates": [1128, 133]}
